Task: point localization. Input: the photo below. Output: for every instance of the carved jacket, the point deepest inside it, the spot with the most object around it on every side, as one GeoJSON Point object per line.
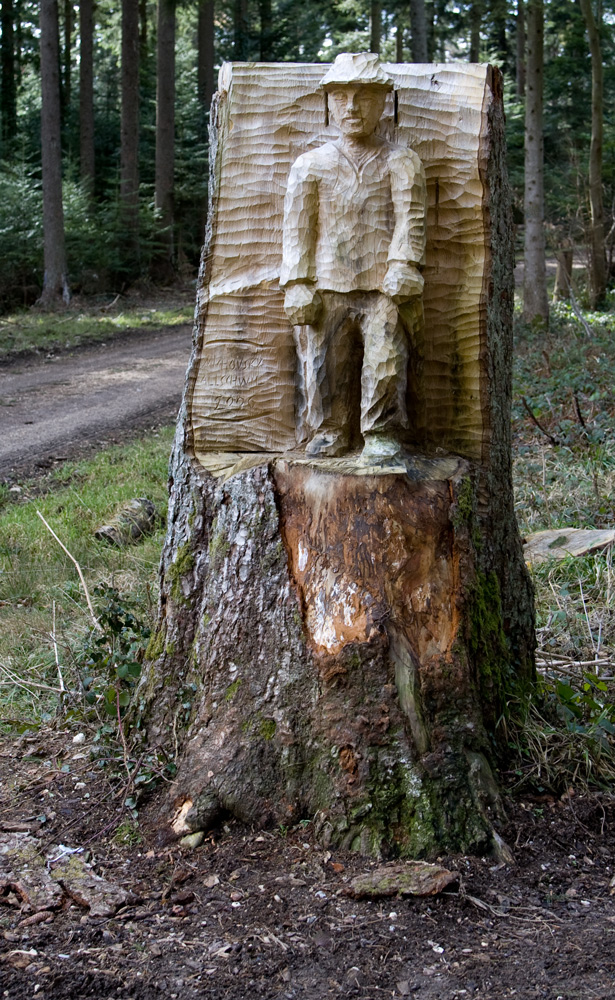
{"type": "Point", "coordinates": [344, 224]}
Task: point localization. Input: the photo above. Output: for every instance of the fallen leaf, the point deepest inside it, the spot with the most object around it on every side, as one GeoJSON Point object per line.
{"type": "Point", "coordinates": [557, 543]}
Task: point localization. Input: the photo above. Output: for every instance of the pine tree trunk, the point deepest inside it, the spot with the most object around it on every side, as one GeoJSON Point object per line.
{"type": "Point", "coordinates": [535, 302]}
{"type": "Point", "coordinates": [498, 13]}
{"type": "Point", "coordinates": [266, 26]}
{"type": "Point", "coordinates": [142, 32]}
{"type": "Point", "coordinates": [418, 31]}
{"type": "Point", "coordinates": [129, 135]}
{"type": "Point", "coordinates": [55, 282]}
{"type": "Point", "coordinates": [206, 53]}
{"type": "Point", "coordinates": [163, 269]}
{"type": "Point", "coordinates": [563, 275]}
{"type": "Point", "coordinates": [375, 26]}
{"type": "Point", "coordinates": [8, 110]}
{"type": "Point", "coordinates": [333, 644]}
{"type": "Point", "coordinates": [399, 39]}
{"type": "Point", "coordinates": [597, 273]}
{"type": "Point", "coordinates": [241, 31]}
{"type": "Point", "coordinates": [67, 54]}
{"type": "Point", "coordinates": [476, 17]}
{"type": "Point", "coordinates": [86, 93]}
{"type": "Point", "coordinates": [520, 39]}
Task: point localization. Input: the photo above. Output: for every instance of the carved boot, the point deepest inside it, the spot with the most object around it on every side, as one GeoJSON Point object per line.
{"type": "Point", "coordinates": [380, 446]}
{"type": "Point", "coordinates": [328, 444]}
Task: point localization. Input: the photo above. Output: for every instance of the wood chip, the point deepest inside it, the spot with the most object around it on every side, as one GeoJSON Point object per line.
{"type": "Point", "coordinates": [560, 542]}
{"type": "Point", "coordinates": [414, 878]}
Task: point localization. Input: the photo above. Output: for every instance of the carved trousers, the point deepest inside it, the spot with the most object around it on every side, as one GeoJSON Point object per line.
{"type": "Point", "coordinates": [329, 358]}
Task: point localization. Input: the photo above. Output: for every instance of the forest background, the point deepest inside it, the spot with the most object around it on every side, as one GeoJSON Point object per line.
{"type": "Point", "coordinates": [128, 86]}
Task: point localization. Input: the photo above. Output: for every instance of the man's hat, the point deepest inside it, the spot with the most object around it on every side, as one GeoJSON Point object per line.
{"type": "Point", "coordinates": [356, 68]}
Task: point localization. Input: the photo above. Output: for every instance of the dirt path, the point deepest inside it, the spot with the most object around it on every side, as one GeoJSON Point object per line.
{"type": "Point", "coordinates": [63, 406]}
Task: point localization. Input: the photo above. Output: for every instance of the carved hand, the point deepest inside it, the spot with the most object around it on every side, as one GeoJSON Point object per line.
{"type": "Point", "coordinates": [302, 304]}
{"type": "Point", "coordinates": [403, 282]}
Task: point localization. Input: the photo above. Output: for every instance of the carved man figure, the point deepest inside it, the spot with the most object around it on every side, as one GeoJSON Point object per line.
{"type": "Point", "coordinates": [354, 242]}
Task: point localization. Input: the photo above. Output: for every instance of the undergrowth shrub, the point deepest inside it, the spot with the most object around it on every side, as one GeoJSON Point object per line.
{"type": "Point", "coordinates": [98, 256]}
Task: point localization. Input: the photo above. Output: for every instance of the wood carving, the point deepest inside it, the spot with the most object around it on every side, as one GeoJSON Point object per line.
{"type": "Point", "coordinates": [243, 394]}
{"type": "Point", "coordinates": [354, 239]}
{"type": "Point", "coordinates": [345, 609]}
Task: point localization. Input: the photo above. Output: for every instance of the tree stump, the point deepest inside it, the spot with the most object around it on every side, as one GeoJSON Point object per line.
{"type": "Point", "coordinates": [338, 641]}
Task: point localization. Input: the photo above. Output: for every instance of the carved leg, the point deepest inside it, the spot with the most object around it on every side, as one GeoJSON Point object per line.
{"type": "Point", "coordinates": [328, 374]}
{"type": "Point", "coordinates": [383, 379]}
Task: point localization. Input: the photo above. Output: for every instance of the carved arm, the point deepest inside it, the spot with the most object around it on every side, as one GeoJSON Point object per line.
{"type": "Point", "coordinates": [403, 280]}
{"type": "Point", "coordinates": [302, 302]}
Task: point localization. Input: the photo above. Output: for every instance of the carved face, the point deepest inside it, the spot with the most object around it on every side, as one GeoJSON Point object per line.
{"type": "Point", "coordinates": [356, 109]}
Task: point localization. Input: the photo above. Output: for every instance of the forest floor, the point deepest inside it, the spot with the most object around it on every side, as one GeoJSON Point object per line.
{"type": "Point", "coordinates": [268, 914]}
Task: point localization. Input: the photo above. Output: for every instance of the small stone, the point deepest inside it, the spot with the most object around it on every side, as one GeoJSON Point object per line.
{"type": "Point", "coordinates": [79, 739]}
{"type": "Point", "coordinates": [193, 840]}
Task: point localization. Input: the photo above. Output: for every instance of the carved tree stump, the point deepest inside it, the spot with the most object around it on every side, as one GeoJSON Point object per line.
{"type": "Point", "coordinates": [338, 642]}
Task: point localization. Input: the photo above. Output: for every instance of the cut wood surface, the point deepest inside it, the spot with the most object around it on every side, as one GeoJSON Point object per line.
{"type": "Point", "coordinates": [244, 386]}
{"type": "Point", "coordinates": [557, 543]}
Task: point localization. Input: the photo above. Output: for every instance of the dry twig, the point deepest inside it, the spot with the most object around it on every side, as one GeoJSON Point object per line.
{"type": "Point", "coordinates": [78, 568]}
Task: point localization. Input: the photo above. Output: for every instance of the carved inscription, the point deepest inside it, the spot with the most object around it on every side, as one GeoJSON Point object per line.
{"type": "Point", "coordinates": [227, 376]}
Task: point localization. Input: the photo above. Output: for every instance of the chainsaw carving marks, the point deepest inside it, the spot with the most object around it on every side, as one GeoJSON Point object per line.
{"type": "Point", "coordinates": [244, 396]}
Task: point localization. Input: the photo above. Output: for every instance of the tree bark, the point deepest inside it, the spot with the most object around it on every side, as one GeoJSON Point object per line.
{"type": "Point", "coordinates": [241, 31]}
{"type": "Point", "coordinates": [55, 281]}
{"type": "Point", "coordinates": [67, 53]}
{"type": "Point", "coordinates": [339, 646]}
{"type": "Point", "coordinates": [563, 275]}
{"type": "Point", "coordinates": [206, 53]}
{"type": "Point", "coordinates": [498, 13]}
{"type": "Point", "coordinates": [266, 26]}
{"type": "Point", "coordinates": [597, 253]}
{"type": "Point", "coordinates": [142, 31]}
{"type": "Point", "coordinates": [8, 109]}
{"type": "Point", "coordinates": [165, 139]}
{"type": "Point", "coordinates": [520, 38]}
{"type": "Point", "coordinates": [86, 93]}
{"type": "Point", "coordinates": [418, 32]}
{"type": "Point", "coordinates": [399, 39]}
{"type": "Point", "coordinates": [535, 302]}
{"type": "Point", "coordinates": [476, 17]}
{"type": "Point", "coordinates": [129, 135]}
{"type": "Point", "coordinates": [375, 26]}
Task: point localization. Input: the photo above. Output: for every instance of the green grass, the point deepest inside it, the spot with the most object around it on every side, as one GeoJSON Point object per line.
{"type": "Point", "coordinates": [566, 380]}
{"type": "Point", "coordinates": [36, 575]}
{"type": "Point", "coordinates": [32, 330]}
